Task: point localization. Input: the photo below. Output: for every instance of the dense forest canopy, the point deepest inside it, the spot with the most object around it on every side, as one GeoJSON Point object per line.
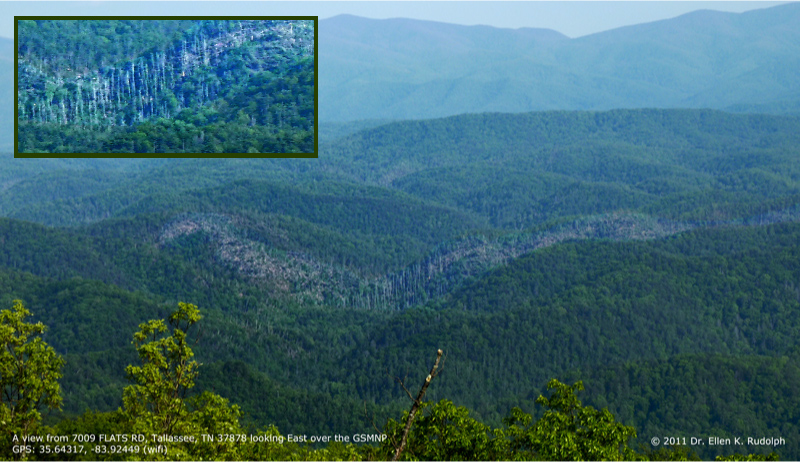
{"type": "Point", "coordinates": [166, 86]}
{"type": "Point", "coordinates": [649, 253]}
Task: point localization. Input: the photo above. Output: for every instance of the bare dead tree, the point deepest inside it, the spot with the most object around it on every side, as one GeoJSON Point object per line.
{"type": "Point", "coordinates": [417, 403]}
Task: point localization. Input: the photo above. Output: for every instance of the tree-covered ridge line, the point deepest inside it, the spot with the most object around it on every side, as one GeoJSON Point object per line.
{"type": "Point", "coordinates": [78, 195]}
{"type": "Point", "coordinates": [276, 253]}
{"type": "Point", "coordinates": [189, 73]}
{"type": "Point", "coordinates": [297, 225]}
{"type": "Point", "coordinates": [513, 170]}
{"type": "Point", "coordinates": [453, 263]}
{"type": "Point", "coordinates": [519, 170]}
{"type": "Point", "coordinates": [551, 140]}
{"type": "Point", "coordinates": [316, 252]}
{"type": "Point", "coordinates": [400, 267]}
{"type": "Point", "coordinates": [447, 267]}
{"type": "Point", "coordinates": [92, 44]}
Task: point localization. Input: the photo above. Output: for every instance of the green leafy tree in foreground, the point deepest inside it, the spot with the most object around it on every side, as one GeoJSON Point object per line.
{"type": "Point", "coordinates": [676, 453]}
{"type": "Point", "coordinates": [157, 402]}
{"type": "Point", "coordinates": [447, 432]}
{"type": "Point", "coordinates": [568, 430]}
{"type": "Point", "coordinates": [29, 373]}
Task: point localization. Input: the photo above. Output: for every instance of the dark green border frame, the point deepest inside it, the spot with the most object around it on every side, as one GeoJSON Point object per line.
{"type": "Point", "coordinates": [311, 155]}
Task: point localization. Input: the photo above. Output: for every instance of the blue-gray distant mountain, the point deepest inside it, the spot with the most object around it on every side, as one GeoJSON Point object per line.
{"type": "Point", "coordinates": [402, 68]}
{"type": "Point", "coordinates": [6, 93]}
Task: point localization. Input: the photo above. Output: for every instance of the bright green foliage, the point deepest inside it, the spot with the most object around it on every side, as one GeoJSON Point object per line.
{"type": "Point", "coordinates": [90, 423]}
{"type": "Point", "coordinates": [166, 374]}
{"type": "Point", "coordinates": [157, 403]}
{"type": "Point", "coordinates": [446, 432]}
{"type": "Point", "coordinates": [737, 456]}
{"type": "Point", "coordinates": [29, 373]}
{"type": "Point", "coordinates": [568, 430]}
{"type": "Point", "coordinates": [271, 447]}
{"type": "Point", "coordinates": [677, 453]}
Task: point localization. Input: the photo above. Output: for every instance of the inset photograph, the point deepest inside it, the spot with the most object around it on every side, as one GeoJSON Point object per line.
{"type": "Point", "coordinates": [166, 87]}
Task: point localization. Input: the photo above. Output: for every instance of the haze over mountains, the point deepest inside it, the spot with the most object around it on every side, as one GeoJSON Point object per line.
{"type": "Point", "coordinates": [7, 63]}
{"type": "Point", "coordinates": [401, 68]}
{"type": "Point", "coordinates": [404, 68]}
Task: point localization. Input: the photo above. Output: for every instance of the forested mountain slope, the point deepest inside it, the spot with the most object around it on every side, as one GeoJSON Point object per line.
{"type": "Point", "coordinates": [230, 86]}
{"type": "Point", "coordinates": [694, 392]}
{"type": "Point", "coordinates": [403, 213]}
{"type": "Point", "coordinates": [512, 170]}
{"type": "Point", "coordinates": [555, 244]}
{"type": "Point", "coordinates": [518, 170]}
{"type": "Point", "coordinates": [597, 305]}
{"type": "Point", "coordinates": [580, 309]}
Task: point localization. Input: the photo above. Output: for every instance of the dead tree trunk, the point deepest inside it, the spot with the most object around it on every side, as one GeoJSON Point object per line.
{"type": "Point", "coordinates": [417, 403]}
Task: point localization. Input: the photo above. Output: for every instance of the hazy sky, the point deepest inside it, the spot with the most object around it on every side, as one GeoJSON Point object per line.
{"type": "Point", "coordinates": [573, 18]}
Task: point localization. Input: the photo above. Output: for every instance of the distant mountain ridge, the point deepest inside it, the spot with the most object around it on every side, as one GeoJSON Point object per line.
{"type": "Point", "coordinates": [403, 69]}
{"type": "Point", "coordinates": [406, 69]}
{"type": "Point", "coordinates": [6, 93]}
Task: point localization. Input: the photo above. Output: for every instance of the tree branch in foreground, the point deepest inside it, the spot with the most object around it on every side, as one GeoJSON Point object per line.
{"type": "Point", "coordinates": [417, 403]}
